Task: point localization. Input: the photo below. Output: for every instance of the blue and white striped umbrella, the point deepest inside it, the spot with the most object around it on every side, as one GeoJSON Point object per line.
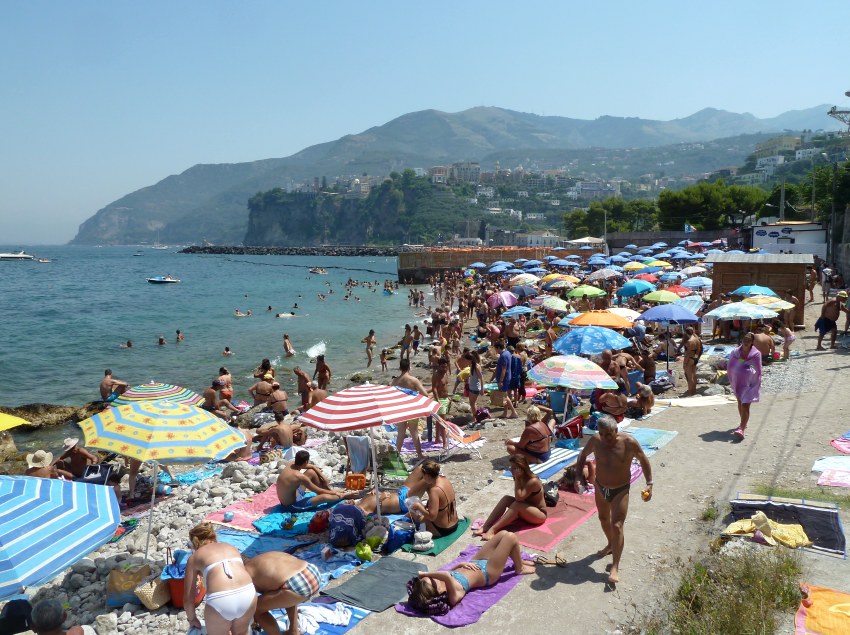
{"type": "Point", "coordinates": [741, 311]}
{"type": "Point", "coordinates": [46, 525]}
{"type": "Point", "coordinates": [699, 282]}
{"type": "Point", "coordinates": [517, 310]}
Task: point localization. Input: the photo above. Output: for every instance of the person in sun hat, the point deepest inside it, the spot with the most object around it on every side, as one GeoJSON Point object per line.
{"type": "Point", "coordinates": [844, 304]}
{"type": "Point", "coordinates": [75, 458]}
{"type": "Point", "coordinates": [40, 463]}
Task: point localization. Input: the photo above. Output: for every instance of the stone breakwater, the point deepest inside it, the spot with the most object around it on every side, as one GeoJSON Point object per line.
{"type": "Point", "coordinates": [237, 250]}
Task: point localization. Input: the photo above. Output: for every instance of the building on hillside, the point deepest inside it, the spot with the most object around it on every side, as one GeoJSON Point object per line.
{"type": "Point", "coordinates": [464, 172]}
{"type": "Point", "coordinates": [807, 153]}
{"type": "Point", "coordinates": [770, 162]}
{"type": "Point", "coordinates": [787, 237]}
{"type": "Point", "coordinates": [777, 145]}
{"type": "Point", "coordinates": [595, 190]}
{"type": "Point", "coordinates": [439, 174]}
{"type": "Point", "coordinates": [420, 171]}
{"type": "Point", "coordinates": [543, 238]}
{"type": "Point", "coordinates": [751, 178]}
{"type": "Point", "coordinates": [487, 191]}
{"type": "Point", "coordinates": [535, 216]}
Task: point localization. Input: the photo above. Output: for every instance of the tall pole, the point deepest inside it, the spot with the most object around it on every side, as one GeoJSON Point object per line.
{"type": "Point", "coordinates": [813, 189]}
{"type": "Point", "coordinates": [831, 245]}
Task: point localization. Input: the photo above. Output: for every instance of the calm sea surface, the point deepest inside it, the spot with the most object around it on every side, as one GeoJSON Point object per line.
{"type": "Point", "coordinates": [63, 321]}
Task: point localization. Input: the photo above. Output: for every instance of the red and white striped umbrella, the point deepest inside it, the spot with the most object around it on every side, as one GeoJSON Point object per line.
{"type": "Point", "coordinates": [366, 406]}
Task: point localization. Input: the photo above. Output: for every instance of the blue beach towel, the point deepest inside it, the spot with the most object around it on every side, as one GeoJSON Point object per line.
{"type": "Point", "coordinates": [338, 564]}
{"type": "Point", "coordinates": [353, 613]}
{"type": "Point", "coordinates": [651, 440]}
{"type": "Point", "coordinates": [252, 544]}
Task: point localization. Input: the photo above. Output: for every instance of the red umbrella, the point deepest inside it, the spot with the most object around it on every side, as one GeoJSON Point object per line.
{"type": "Point", "coordinates": [505, 298]}
{"type": "Point", "coordinates": [367, 406]}
{"type": "Point", "coordinates": [648, 277]}
{"type": "Point", "coordinates": [679, 290]}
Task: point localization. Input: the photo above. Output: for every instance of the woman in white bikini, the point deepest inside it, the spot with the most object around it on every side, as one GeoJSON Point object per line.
{"type": "Point", "coordinates": [231, 597]}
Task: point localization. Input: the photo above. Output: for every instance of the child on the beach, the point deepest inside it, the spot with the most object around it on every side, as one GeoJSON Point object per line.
{"type": "Point", "coordinates": [787, 335]}
{"type": "Point", "coordinates": [384, 367]}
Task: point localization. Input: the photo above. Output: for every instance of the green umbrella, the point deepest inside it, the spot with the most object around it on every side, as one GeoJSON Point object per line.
{"type": "Point", "coordinates": [661, 295]}
{"type": "Point", "coordinates": [589, 291]}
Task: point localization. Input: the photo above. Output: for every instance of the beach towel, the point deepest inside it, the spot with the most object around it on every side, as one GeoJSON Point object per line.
{"type": "Point", "coordinates": [559, 459]}
{"type": "Point", "coordinates": [698, 402]}
{"type": "Point", "coordinates": [297, 516]}
{"type": "Point", "coordinates": [359, 453]}
{"type": "Point", "coordinates": [824, 612]}
{"type": "Point", "coordinates": [443, 543]}
{"type": "Point", "coordinates": [124, 528]}
{"type": "Point", "coordinates": [323, 616]}
{"type": "Point", "coordinates": [475, 603]}
{"type": "Point", "coordinates": [202, 473]}
{"type": "Point", "coordinates": [819, 520]}
{"type": "Point", "coordinates": [832, 463]}
{"type": "Point", "coordinates": [650, 439]}
{"type": "Point", "coordinates": [835, 478]}
{"type": "Point", "coordinates": [253, 544]}
{"type": "Point", "coordinates": [246, 511]}
{"type": "Point", "coordinates": [337, 564]}
{"type": "Point", "coordinates": [842, 445]}
{"type": "Point", "coordinates": [433, 446]}
{"type": "Point", "coordinates": [346, 525]}
{"type": "Point", "coordinates": [569, 512]}
{"type": "Point", "coordinates": [379, 586]}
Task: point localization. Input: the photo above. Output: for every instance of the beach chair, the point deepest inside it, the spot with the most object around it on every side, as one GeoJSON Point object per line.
{"type": "Point", "coordinates": [359, 451]}
{"type": "Point", "coordinates": [391, 467]}
{"type": "Point", "coordinates": [462, 441]}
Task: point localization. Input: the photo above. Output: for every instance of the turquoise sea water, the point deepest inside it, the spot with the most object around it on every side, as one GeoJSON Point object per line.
{"type": "Point", "coordinates": [63, 321]}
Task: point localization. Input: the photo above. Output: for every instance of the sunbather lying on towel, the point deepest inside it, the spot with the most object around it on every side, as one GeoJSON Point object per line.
{"type": "Point", "coordinates": [291, 480]}
{"type": "Point", "coordinates": [435, 592]}
{"type": "Point", "coordinates": [283, 582]}
{"type": "Point", "coordinates": [526, 504]}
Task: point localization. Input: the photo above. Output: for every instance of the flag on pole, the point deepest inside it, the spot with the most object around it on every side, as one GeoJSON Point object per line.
{"type": "Point", "coordinates": [689, 229]}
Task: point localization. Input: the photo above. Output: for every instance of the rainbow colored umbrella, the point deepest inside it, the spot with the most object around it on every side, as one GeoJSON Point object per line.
{"type": "Point", "coordinates": [154, 390]}
{"type": "Point", "coordinates": [571, 371]}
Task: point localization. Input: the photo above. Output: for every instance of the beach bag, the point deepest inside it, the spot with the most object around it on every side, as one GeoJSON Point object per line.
{"type": "Point", "coordinates": [571, 429]}
{"type": "Point", "coordinates": [482, 414]}
{"type": "Point", "coordinates": [121, 584]}
{"type": "Point", "coordinates": [660, 385]}
{"type": "Point", "coordinates": [401, 533]}
{"type": "Point", "coordinates": [153, 592]}
{"type": "Point", "coordinates": [550, 493]}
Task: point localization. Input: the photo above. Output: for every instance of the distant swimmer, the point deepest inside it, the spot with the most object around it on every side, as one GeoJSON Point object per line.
{"type": "Point", "coordinates": [161, 340]}
{"type": "Point", "coordinates": [227, 352]}
{"type": "Point", "coordinates": [129, 344]}
{"type": "Point", "coordinates": [295, 306]}
{"type": "Point", "coordinates": [180, 337]}
{"type": "Point", "coordinates": [287, 346]}
{"type": "Point", "coordinates": [270, 308]}
{"type": "Point", "coordinates": [285, 315]}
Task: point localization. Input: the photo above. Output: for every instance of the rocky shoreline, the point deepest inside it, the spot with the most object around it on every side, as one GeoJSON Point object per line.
{"type": "Point", "coordinates": [329, 250]}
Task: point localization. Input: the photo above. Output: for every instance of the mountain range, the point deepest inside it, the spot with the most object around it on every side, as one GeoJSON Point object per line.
{"type": "Point", "coordinates": [210, 201]}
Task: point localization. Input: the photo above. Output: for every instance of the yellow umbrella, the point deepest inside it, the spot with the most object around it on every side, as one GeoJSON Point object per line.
{"type": "Point", "coordinates": [660, 263]}
{"type": "Point", "coordinates": [569, 278]}
{"type": "Point", "coordinates": [550, 276]}
{"type": "Point", "coordinates": [601, 318]}
{"type": "Point", "coordinates": [634, 266]}
{"type": "Point", "coordinates": [770, 302]}
{"type": "Point", "coordinates": [7, 422]}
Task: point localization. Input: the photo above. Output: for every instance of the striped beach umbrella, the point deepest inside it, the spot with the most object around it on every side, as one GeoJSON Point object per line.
{"type": "Point", "coordinates": [770, 302]}
{"type": "Point", "coordinates": [741, 311]}
{"type": "Point", "coordinates": [46, 525]}
{"type": "Point", "coordinates": [161, 431]}
{"type": "Point", "coordinates": [555, 304]}
{"type": "Point", "coordinates": [154, 390]}
{"type": "Point", "coordinates": [570, 371]}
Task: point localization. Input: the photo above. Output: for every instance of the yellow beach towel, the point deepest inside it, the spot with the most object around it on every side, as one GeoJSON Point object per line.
{"type": "Point", "coordinates": [792, 536]}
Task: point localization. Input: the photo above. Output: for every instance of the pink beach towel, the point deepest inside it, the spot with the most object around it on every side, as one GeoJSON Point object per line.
{"type": "Point", "coordinates": [245, 512]}
{"type": "Point", "coordinates": [842, 445]}
{"type": "Point", "coordinates": [470, 609]}
{"type": "Point", "coordinates": [835, 478]}
{"type": "Point", "coordinates": [571, 511]}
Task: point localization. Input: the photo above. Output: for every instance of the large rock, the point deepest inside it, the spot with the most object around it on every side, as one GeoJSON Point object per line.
{"type": "Point", "coordinates": [106, 624]}
{"type": "Point", "coordinates": [42, 415]}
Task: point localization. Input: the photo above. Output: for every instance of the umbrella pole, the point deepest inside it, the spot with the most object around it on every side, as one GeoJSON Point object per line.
{"type": "Point", "coordinates": [150, 516]}
{"type": "Point", "coordinates": [667, 356]}
{"type": "Point", "coordinates": [375, 472]}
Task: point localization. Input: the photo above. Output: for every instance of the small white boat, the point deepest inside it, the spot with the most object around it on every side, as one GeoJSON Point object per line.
{"type": "Point", "coordinates": [319, 270]}
{"type": "Point", "coordinates": [158, 246]}
{"type": "Point", "coordinates": [163, 280]}
{"type": "Point", "coordinates": [44, 260]}
{"type": "Point", "coordinates": [15, 255]}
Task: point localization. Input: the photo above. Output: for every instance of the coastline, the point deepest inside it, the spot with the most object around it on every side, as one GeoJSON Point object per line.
{"type": "Point", "coordinates": [328, 250]}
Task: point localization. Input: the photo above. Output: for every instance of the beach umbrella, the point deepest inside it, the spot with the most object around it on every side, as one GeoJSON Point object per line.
{"type": "Point", "coordinates": [163, 432]}
{"type": "Point", "coordinates": [692, 303]}
{"type": "Point", "coordinates": [517, 310]}
{"type": "Point", "coordinates": [498, 269]}
{"type": "Point", "coordinates": [553, 285]}
{"type": "Point", "coordinates": [697, 257]}
{"type": "Point", "coordinates": [679, 290]}
{"type": "Point", "coordinates": [714, 251]}
{"type": "Point", "coordinates": [601, 318]}
{"type": "Point", "coordinates": [659, 244]}
{"type": "Point", "coordinates": [563, 263]}
{"type": "Point", "coordinates": [770, 302]}
{"type": "Point", "coordinates": [670, 276]}
{"type": "Point", "coordinates": [622, 311]}
{"type": "Point", "coordinates": [616, 268]}
{"type": "Point", "coordinates": [589, 340]}
{"type": "Point", "coordinates": [603, 274]}
{"type": "Point", "coordinates": [500, 262]}
{"type": "Point", "coordinates": [46, 525]}
{"type": "Point", "coordinates": [647, 269]}
{"type": "Point", "coordinates": [539, 300]}
{"type": "Point", "coordinates": [514, 271]}
{"type": "Point", "coordinates": [741, 311]}
{"type": "Point", "coordinates": [477, 265]}
{"type": "Point", "coordinates": [153, 391]}
{"type": "Point", "coordinates": [585, 289]}
{"type": "Point", "coordinates": [669, 314]}
{"type": "Point", "coordinates": [564, 322]}
{"type": "Point", "coordinates": [502, 298]}
{"type": "Point", "coordinates": [524, 278]}
{"type": "Point", "coordinates": [365, 407]}
{"type": "Point", "coordinates": [698, 282]}
{"type": "Point", "coordinates": [537, 270]}
{"type": "Point", "coordinates": [585, 248]}
{"type": "Point", "coordinates": [7, 422]}
{"type": "Point", "coordinates": [572, 257]}
{"type": "Point", "coordinates": [619, 259]}
{"type": "Point", "coordinates": [548, 258]}
{"type": "Point", "coordinates": [648, 277]}
{"type": "Point", "coordinates": [635, 287]}
{"type": "Point", "coordinates": [555, 304]}
{"type": "Point", "coordinates": [661, 296]}
{"type": "Point", "coordinates": [659, 263]}
{"type": "Point", "coordinates": [634, 266]}
{"type": "Point", "coordinates": [571, 371]}
{"type": "Point", "coordinates": [631, 246]}
{"type": "Point", "coordinates": [645, 252]}
{"type": "Point", "coordinates": [754, 289]}
{"type": "Point", "coordinates": [549, 277]}
{"type": "Point", "coordinates": [524, 291]}
{"type": "Point", "coordinates": [521, 260]}
{"type": "Point", "coordinates": [531, 263]}
{"type": "Point", "coordinates": [689, 271]}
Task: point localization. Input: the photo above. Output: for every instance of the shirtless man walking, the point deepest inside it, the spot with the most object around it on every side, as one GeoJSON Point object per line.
{"type": "Point", "coordinates": [828, 321]}
{"type": "Point", "coordinates": [692, 346]}
{"type": "Point", "coordinates": [408, 381]}
{"type": "Point", "coordinates": [614, 452]}
{"type": "Point", "coordinates": [110, 386]}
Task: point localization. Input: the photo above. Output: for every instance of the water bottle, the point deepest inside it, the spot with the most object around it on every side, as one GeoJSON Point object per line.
{"type": "Point", "coordinates": [163, 490]}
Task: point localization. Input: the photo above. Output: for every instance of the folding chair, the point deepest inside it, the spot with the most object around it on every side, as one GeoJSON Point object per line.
{"type": "Point", "coordinates": [359, 451]}
{"type": "Point", "coordinates": [391, 467]}
{"type": "Point", "coordinates": [462, 441]}
{"type": "Point", "coordinates": [97, 474]}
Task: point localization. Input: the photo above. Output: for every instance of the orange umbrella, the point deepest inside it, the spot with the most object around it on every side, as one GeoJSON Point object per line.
{"type": "Point", "coordinates": [601, 318]}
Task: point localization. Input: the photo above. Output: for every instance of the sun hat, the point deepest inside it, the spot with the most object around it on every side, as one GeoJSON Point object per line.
{"type": "Point", "coordinates": [69, 443]}
{"type": "Point", "coordinates": [842, 294]}
{"type": "Point", "coordinates": [40, 458]}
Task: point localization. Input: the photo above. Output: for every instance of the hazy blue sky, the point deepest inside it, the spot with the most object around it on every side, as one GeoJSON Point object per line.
{"type": "Point", "coordinates": [102, 98]}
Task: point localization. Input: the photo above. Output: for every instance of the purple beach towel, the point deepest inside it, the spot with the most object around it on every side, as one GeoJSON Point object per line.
{"type": "Point", "coordinates": [476, 602]}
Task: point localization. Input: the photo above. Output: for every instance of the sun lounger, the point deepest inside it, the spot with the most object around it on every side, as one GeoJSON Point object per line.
{"type": "Point", "coordinates": [457, 440]}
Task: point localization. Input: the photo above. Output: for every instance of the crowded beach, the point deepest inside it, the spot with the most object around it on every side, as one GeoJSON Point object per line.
{"type": "Point", "coordinates": [320, 511]}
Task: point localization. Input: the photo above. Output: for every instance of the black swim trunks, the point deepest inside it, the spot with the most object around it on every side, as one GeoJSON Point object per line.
{"type": "Point", "coordinates": [610, 493]}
